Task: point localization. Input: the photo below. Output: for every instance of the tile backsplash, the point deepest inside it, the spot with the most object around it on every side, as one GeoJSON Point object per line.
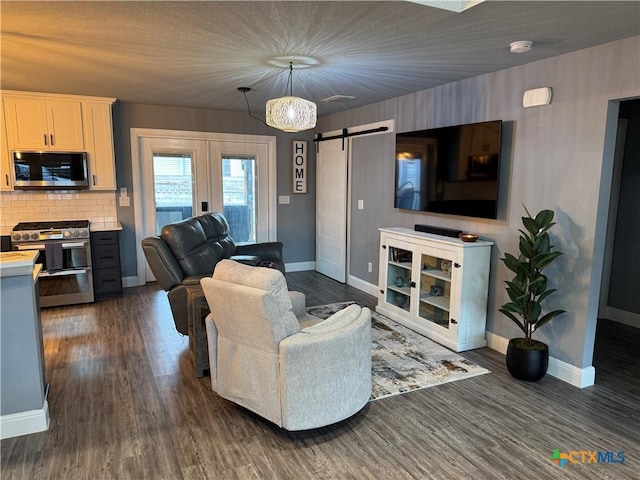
{"type": "Point", "coordinates": [28, 206]}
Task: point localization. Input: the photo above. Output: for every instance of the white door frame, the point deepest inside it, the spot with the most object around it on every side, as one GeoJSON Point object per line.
{"type": "Point", "coordinates": [136, 163]}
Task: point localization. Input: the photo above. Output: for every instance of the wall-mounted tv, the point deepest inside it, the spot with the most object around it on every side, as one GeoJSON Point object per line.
{"type": "Point", "coordinates": [452, 170]}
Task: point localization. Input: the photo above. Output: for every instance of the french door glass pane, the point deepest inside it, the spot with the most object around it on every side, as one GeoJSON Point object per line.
{"type": "Point", "coordinates": [239, 196]}
{"type": "Point", "coordinates": [173, 187]}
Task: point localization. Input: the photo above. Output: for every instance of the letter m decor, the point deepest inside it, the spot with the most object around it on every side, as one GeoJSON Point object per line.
{"type": "Point", "coordinates": [299, 166]}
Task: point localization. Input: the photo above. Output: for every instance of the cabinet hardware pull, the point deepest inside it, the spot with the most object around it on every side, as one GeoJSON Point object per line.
{"type": "Point", "coordinates": [413, 284]}
{"type": "Point", "coordinates": [381, 291]}
{"type": "Point", "coordinates": [46, 140]}
{"type": "Point", "coordinates": [384, 247]}
{"type": "Point", "coordinates": [457, 265]}
{"type": "Point", "coordinates": [94, 179]}
{"type": "Point", "coordinates": [454, 321]}
{"type": "Point", "coordinates": [6, 179]}
{"type": "Point", "coordinates": [52, 142]}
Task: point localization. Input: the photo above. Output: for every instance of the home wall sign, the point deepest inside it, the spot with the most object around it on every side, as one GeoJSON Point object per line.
{"type": "Point", "coordinates": [299, 166]}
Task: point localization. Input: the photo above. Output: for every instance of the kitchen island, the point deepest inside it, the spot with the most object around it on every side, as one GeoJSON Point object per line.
{"type": "Point", "coordinates": [23, 388]}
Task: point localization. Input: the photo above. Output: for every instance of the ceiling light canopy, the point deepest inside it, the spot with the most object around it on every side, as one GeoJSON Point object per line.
{"type": "Point", "coordinates": [451, 5]}
{"type": "Point", "coordinates": [289, 113]}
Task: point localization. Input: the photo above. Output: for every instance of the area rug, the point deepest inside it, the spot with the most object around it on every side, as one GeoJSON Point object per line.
{"type": "Point", "coordinates": [404, 361]}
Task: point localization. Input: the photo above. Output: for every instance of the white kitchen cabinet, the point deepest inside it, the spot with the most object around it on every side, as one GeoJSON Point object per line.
{"type": "Point", "coordinates": [99, 140]}
{"type": "Point", "coordinates": [38, 123]}
{"type": "Point", "coordinates": [435, 285]}
{"type": "Point", "coordinates": [6, 168]}
{"type": "Point", "coordinates": [71, 123]}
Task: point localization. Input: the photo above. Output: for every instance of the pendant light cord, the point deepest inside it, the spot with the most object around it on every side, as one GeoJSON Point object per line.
{"type": "Point", "coordinates": [244, 91]}
{"type": "Point", "coordinates": [290, 81]}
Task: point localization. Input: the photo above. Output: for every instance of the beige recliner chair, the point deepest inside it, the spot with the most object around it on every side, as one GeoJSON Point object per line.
{"type": "Point", "coordinates": [269, 361]}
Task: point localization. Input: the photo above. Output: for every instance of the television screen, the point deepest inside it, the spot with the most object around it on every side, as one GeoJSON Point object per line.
{"type": "Point", "coordinates": [452, 170]}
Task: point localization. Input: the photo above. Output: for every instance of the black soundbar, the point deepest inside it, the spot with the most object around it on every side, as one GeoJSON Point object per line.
{"type": "Point", "coordinates": [447, 232]}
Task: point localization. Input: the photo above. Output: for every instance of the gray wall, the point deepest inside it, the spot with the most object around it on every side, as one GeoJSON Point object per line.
{"type": "Point", "coordinates": [296, 221]}
{"type": "Point", "coordinates": [560, 157]}
{"type": "Point", "coordinates": [625, 274]}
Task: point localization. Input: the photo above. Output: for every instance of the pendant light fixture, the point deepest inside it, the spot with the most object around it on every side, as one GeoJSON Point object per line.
{"type": "Point", "coordinates": [289, 113]}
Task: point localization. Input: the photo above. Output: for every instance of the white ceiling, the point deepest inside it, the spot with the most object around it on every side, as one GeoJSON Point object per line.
{"type": "Point", "coordinates": [197, 54]}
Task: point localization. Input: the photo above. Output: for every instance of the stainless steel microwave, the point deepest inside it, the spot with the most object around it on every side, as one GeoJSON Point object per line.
{"type": "Point", "coordinates": [50, 170]}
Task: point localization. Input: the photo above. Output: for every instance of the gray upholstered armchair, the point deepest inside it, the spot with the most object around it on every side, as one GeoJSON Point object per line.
{"type": "Point", "coordinates": [262, 357]}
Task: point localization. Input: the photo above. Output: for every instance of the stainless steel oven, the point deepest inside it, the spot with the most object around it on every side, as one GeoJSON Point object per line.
{"type": "Point", "coordinates": [65, 255]}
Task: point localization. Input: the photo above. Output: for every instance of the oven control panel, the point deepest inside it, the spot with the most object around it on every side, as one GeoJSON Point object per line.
{"type": "Point", "coordinates": [40, 235]}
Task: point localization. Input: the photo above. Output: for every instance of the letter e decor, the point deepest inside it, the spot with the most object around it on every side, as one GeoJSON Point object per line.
{"type": "Point", "coordinates": [299, 166]}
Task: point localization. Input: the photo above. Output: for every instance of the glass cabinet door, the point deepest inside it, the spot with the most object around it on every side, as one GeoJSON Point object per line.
{"type": "Point", "coordinates": [434, 286]}
{"type": "Point", "coordinates": [398, 282]}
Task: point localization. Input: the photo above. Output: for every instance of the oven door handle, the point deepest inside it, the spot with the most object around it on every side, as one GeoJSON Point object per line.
{"type": "Point", "coordinates": [74, 245]}
{"type": "Point", "coordinates": [31, 246]}
{"type": "Point", "coordinates": [40, 246]}
{"type": "Point", "coordinates": [63, 273]}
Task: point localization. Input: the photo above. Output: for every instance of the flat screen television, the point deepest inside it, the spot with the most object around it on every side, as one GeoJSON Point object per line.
{"type": "Point", "coordinates": [451, 170]}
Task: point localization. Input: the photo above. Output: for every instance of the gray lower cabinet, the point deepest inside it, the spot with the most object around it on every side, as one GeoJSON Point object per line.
{"type": "Point", "coordinates": [107, 274]}
{"type": "Point", "coordinates": [23, 388]}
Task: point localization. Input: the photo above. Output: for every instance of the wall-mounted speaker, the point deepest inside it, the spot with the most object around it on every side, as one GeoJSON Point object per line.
{"type": "Point", "coordinates": [537, 97]}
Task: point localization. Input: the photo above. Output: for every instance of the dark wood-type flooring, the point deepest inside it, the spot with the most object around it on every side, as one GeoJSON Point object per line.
{"type": "Point", "coordinates": [125, 403]}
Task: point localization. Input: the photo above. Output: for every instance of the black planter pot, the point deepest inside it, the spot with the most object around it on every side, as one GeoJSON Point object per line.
{"type": "Point", "coordinates": [527, 363]}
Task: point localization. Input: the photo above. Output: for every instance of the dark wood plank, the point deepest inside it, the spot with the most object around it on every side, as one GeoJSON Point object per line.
{"type": "Point", "coordinates": [125, 403]}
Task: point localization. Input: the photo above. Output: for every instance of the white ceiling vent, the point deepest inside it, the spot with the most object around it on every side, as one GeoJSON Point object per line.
{"type": "Point", "coordinates": [338, 99]}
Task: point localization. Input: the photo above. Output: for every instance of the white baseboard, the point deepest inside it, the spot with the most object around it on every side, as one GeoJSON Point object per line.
{"type": "Point", "coordinates": [622, 316]}
{"type": "Point", "coordinates": [23, 423]}
{"type": "Point", "coordinates": [578, 377]}
{"type": "Point", "coordinates": [299, 266]}
{"type": "Point", "coordinates": [360, 284]}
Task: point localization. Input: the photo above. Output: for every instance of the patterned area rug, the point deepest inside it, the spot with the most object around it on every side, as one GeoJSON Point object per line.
{"type": "Point", "coordinates": [404, 361]}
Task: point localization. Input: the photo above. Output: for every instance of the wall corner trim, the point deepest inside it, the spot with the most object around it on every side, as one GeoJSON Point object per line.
{"type": "Point", "coordinates": [578, 377]}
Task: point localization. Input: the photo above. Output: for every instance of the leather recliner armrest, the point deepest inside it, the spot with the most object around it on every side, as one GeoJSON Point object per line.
{"type": "Point", "coordinates": [266, 250]}
{"type": "Point", "coordinates": [162, 262]}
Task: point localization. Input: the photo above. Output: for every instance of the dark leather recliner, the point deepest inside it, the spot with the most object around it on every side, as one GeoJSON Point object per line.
{"type": "Point", "coordinates": [188, 250]}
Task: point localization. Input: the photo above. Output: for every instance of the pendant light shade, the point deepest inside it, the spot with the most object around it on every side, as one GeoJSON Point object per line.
{"type": "Point", "coordinates": [291, 114]}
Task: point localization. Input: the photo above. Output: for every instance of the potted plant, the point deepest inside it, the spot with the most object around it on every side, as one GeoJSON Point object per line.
{"type": "Point", "coordinates": [528, 359]}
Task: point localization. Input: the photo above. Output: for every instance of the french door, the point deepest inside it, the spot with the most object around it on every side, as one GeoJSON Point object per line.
{"type": "Point", "coordinates": [183, 177]}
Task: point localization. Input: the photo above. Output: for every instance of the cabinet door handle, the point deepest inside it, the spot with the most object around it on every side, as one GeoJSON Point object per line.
{"type": "Point", "coordinates": [93, 178]}
{"type": "Point", "coordinates": [52, 142]}
{"type": "Point", "coordinates": [457, 265]}
{"type": "Point", "coordinates": [381, 291]}
{"type": "Point", "coordinates": [384, 247]}
{"type": "Point", "coordinates": [46, 140]}
{"type": "Point", "coordinates": [6, 179]}
{"type": "Point", "coordinates": [454, 321]}
{"type": "Point", "coordinates": [413, 284]}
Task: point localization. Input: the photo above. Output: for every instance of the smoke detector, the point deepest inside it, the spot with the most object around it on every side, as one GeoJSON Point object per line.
{"type": "Point", "coordinates": [521, 46]}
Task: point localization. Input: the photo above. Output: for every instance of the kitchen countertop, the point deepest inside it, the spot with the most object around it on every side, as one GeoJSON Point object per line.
{"type": "Point", "coordinates": [105, 227]}
{"type": "Point", "coordinates": [17, 263]}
